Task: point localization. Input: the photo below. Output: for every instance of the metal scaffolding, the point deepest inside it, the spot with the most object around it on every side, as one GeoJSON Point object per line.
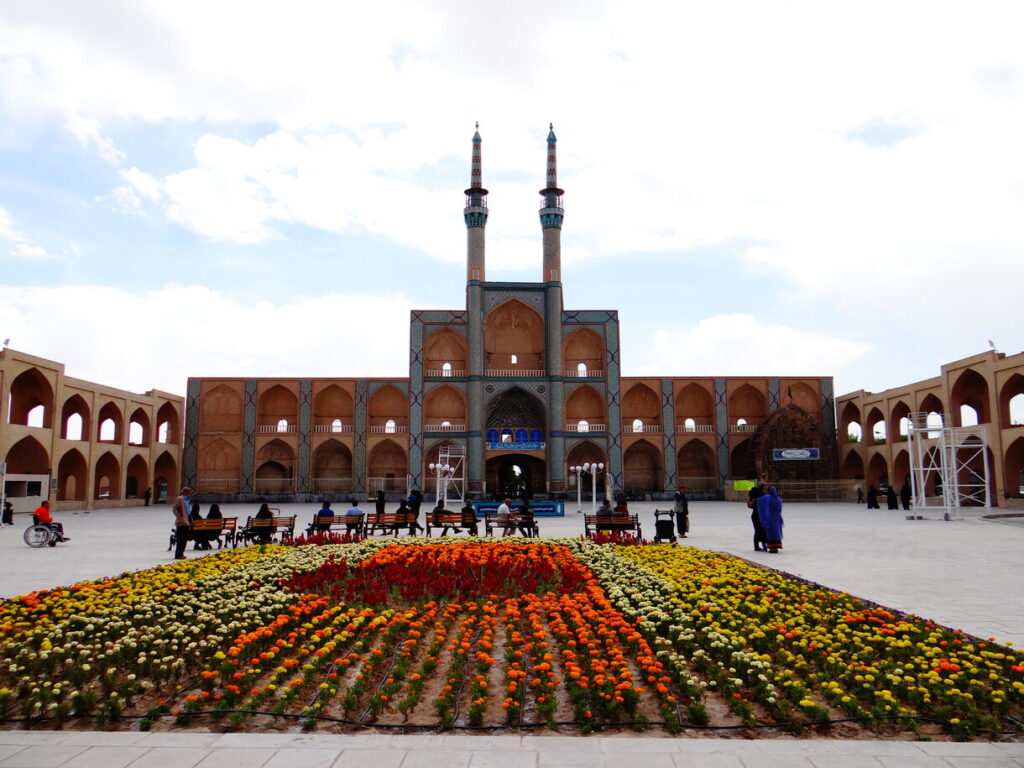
{"type": "Point", "coordinates": [450, 471]}
{"type": "Point", "coordinates": [946, 461]}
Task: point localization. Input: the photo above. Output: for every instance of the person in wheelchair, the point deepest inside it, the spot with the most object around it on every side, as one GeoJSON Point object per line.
{"type": "Point", "coordinates": [43, 516]}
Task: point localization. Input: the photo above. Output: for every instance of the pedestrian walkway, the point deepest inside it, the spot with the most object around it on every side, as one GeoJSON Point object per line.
{"type": "Point", "coordinates": [965, 573]}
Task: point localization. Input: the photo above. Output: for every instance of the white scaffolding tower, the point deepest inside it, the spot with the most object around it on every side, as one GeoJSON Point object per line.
{"type": "Point", "coordinates": [450, 470]}
{"type": "Point", "coordinates": [945, 458]}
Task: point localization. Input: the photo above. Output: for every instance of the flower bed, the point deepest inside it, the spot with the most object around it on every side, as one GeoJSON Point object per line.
{"type": "Point", "coordinates": [507, 633]}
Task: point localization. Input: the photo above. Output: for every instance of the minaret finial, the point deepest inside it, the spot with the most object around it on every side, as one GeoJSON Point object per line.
{"type": "Point", "coordinates": [551, 213]}
{"type": "Point", "coordinates": [475, 212]}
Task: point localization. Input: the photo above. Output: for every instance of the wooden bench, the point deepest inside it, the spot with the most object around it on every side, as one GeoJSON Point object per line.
{"type": "Point", "coordinates": [515, 521]}
{"type": "Point", "coordinates": [221, 530]}
{"type": "Point", "coordinates": [610, 524]}
{"type": "Point", "coordinates": [325, 523]}
{"type": "Point", "coordinates": [259, 527]}
{"type": "Point", "coordinates": [457, 521]}
{"type": "Point", "coordinates": [389, 522]}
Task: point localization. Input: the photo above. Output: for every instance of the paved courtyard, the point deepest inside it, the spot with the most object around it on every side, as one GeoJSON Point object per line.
{"type": "Point", "coordinates": [965, 573]}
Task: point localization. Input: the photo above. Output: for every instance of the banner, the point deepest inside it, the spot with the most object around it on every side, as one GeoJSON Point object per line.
{"type": "Point", "coordinates": [795, 454]}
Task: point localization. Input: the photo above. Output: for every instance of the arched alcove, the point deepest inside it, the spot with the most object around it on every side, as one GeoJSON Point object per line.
{"type": "Point", "coordinates": [72, 473]}
{"type": "Point", "coordinates": [332, 468]}
{"type": "Point", "coordinates": [165, 478]}
{"type": "Point", "coordinates": [221, 410]}
{"type": "Point", "coordinates": [695, 403]}
{"type": "Point", "coordinates": [695, 464]}
{"type": "Point", "coordinates": [1011, 402]}
{"type": "Point", "coordinates": [584, 403]}
{"type": "Point", "coordinates": [971, 390]}
{"type": "Point", "coordinates": [899, 421]}
{"type": "Point", "coordinates": [445, 347]}
{"type": "Point", "coordinates": [584, 348]}
{"type": "Point", "coordinates": [850, 429]}
{"type": "Point", "coordinates": [900, 469]}
{"type": "Point", "coordinates": [748, 403]}
{"type": "Point", "coordinates": [1013, 464]}
{"type": "Point", "coordinates": [515, 408]}
{"type": "Point", "coordinates": [28, 457]}
{"type": "Point", "coordinates": [111, 424]}
{"type": "Point", "coordinates": [108, 477]}
{"type": "Point", "coordinates": [274, 405]}
{"type": "Point", "coordinates": [641, 403]}
{"type": "Point", "coordinates": [878, 471]}
{"type": "Point", "coordinates": [168, 424]}
{"type": "Point", "coordinates": [513, 329]}
{"type": "Point", "coordinates": [74, 419]}
{"type": "Point", "coordinates": [801, 395]}
{"type": "Point", "coordinates": [641, 468]}
{"type": "Point", "coordinates": [136, 479]}
{"type": "Point", "coordinates": [387, 467]}
{"type": "Point", "coordinates": [853, 466]}
{"type": "Point", "coordinates": [444, 403]}
{"type": "Point", "coordinates": [388, 404]}
{"type": "Point", "coordinates": [333, 404]}
{"type": "Point", "coordinates": [138, 428]}
{"type": "Point", "coordinates": [275, 468]}
{"type": "Point", "coordinates": [30, 391]}
{"type": "Point", "coordinates": [876, 426]}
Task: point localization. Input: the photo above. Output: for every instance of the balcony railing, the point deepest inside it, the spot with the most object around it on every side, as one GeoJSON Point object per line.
{"type": "Point", "coordinates": [577, 374]}
{"type": "Point", "coordinates": [217, 484]}
{"type": "Point", "coordinates": [698, 428]}
{"type": "Point", "coordinates": [520, 373]}
{"type": "Point", "coordinates": [384, 429]}
{"type": "Point", "coordinates": [332, 484]}
{"type": "Point", "coordinates": [443, 374]}
{"type": "Point", "coordinates": [335, 428]}
{"type": "Point", "coordinates": [589, 427]}
{"type": "Point", "coordinates": [280, 429]}
{"type": "Point", "coordinates": [444, 427]}
{"type": "Point", "coordinates": [646, 429]}
{"type": "Point", "coordinates": [274, 485]}
{"type": "Point", "coordinates": [386, 484]}
{"type": "Point", "coordinates": [743, 428]}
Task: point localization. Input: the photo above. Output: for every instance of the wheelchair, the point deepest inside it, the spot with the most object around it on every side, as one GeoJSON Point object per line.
{"type": "Point", "coordinates": [42, 535]}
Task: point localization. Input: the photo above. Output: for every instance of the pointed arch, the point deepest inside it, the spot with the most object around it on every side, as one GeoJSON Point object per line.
{"type": "Point", "coordinates": [331, 403]}
{"type": "Point", "coordinates": [221, 410]}
{"type": "Point", "coordinates": [31, 390]}
{"type": "Point", "coordinates": [800, 394]}
{"type": "Point", "coordinates": [742, 463]}
{"type": "Point", "coordinates": [168, 422]}
{"type": "Point", "coordinates": [899, 422]}
{"type": "Point", "coordinates": [695, 459]}
{"type": "Point", "coordinates": [111, 423]}
{"type": "Point", "coordinates": [28, 457]}
{"type": "Point", "coordinates": [388, 465]}
{"type": "Point", "coordinates": [900, 469]}
{"type": "Point", "coordinates": [332, 460]}
{"type": "Point", "coordinates": [1011, 402]}
{"type": "Point", "coordinates": [876, 427]}
{"type": "Point", "coordinates": [276, 404]}
{"type": "Point", "coordinates": [1013, 467]}
{"type": "Point", "coordinates": [586, 348]}
{"type": "Point", "coordinates": [136, 479]}
{"type": "Point", "coordinates": [108, 477]}
{"type": "Point", "coordinates": [512, 329]}
{"type": "Point", "coordinates": [165, 480]}
{"type": "Point", "coordinates": [878, 471]}
{"type": "Point", "coordinates": [138, 427]}
{"type": "Point", "coordinates": [695, 402]}
{"type": "Point", "coordinates": [849, 424]}
{"type": "Point", "coordinates": [586, 452]}
{"type": "Point", "coordinates": [445, 403]}
{"type": "Point", "coordinates": [748, 403]}
{"type": "Point", "coordinates": [74, 419]}
{"type": "Point", "coordinates": [585, 403]}
{"type": "Point", "coordinates": [445, 347]}
{"type": "Point", "coordinates": [388, 403]}
{"type": "Point", "coordinates": [640, 403]}
{"type": "Point", "coordinates": [970, 390]}
{"type": "Point", "coordinates": [853, 466]}
{"type": "Point", "coordinates": [72, 472]}
{"type": "Point", "coordinates": [641, 465]}
{"type": "Point", "coordinates": [515, 408]}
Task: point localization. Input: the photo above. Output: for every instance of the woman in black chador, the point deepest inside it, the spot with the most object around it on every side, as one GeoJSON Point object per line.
{"type": "Point", "coordinates": [891, 500]}
{"type": "Point", "coordinates": [873, 497]}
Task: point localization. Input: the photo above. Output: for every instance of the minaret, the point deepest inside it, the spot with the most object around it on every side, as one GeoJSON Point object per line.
{"type": "Point", "coordinates": [475, 215]}
{"type": "Point", "coordinates": [551, 216]}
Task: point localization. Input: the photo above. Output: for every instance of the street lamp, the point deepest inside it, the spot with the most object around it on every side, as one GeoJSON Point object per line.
{"type": "Point", "coordinates": [597, 467]}
{"type": "Point", "coordinates": [577, 470]}
{"type": "Point", "coordinates": [446, 471]}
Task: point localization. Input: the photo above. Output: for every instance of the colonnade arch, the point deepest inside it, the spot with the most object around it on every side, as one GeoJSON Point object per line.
{"type": "Point", "coordinates": [641, 468]}
{"type": "Point", "coordinates": [970, 390]}
{"type": "Point", "coordinates": [72, 475]}
{"type": "Point", "coordinates": [30, 391]}
{"type": "Point", "coordinates": [74, 419]}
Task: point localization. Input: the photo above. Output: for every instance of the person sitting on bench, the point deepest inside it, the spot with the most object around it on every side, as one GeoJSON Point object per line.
{"type": "Point", "coordinates": [324, 516]}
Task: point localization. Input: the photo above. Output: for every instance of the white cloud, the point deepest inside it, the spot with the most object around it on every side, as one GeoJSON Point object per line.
{"type": "Point", "coordinates": [31, 252]}
{"type": "Point", "coordinates": [22, 249]}
{"type": "Point", "coordinates": [87, 131]}
{"type": "Point", "coordinates": [7, 230]}
{"type": "Point", "coordinates": [157, 339]}
{"type": "Point", "coordinates": [741, 345]}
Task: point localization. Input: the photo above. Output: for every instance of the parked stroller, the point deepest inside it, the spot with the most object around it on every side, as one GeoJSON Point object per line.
{"type": "Point", "coordinates": [664, 526]}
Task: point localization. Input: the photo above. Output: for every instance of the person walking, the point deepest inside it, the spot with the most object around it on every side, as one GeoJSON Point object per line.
{"type": "Point", "coordinates": [769, 507]}
{"type": "Point", "coordinates": [753, 496]}
{"type": "Point", "coordinates": [905, 494]}
{"type": "Point", "coordinates": [873, 497]}
{"type": "Point", "coordinates": [180, 510]}
{"type": "Point", "coordinates": [891, 500]}
{"type": "Point", "coordinates": [147, 496]}
{"type": "Point", "coordinates": [8, 517]}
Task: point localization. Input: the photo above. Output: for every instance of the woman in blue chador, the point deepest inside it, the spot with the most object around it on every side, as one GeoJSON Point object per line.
{"type": "Point", "coordinates": [769, 509]}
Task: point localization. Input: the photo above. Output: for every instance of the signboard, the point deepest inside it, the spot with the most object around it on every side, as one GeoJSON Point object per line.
{"type": "Point", "coordinates": [540, 508]}
{"type": "Point", "coordinates": [795, 454]}
{"type": "Point", "coordinates": [515, 446]}
{"type": "Point", "coordinates": [743, 485]}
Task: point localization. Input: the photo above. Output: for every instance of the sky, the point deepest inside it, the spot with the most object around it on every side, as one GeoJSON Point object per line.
{"type": "Point", "coordinates": [201, 188]}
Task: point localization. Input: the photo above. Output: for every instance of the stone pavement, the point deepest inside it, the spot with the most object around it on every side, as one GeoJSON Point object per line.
{"type": "Point", "coordinates": [965, 573]}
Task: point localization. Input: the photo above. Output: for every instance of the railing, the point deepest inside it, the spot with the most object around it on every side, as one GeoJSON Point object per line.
{"type": "Point", "coordinates": [522, 373]}
{"type": "Point", "coordinates": [274, 485]}
{"type": "Point", "coordinates": [743, 428]}
{"type": "Point", "coordinates": [335, 428]}
{"type": "Point", "coordinates": [217, 484]}
{"type": "Point", "coordinates": [646, 429]}
{"type": "Point", "coordinates": [386, 484]}
{"type": "Point", "coordinates": [444, 427]}
{"type": "Point", "coordinates": [332, 484]}
{"type": "Point", "coordinates": [384, 429]}
{"type": "Point", "coordinates": [590, 427]}
{"type": "Point", "coordinates": [698, 483]}
{"type": "Point", "coordinates": [588, 374]}
{"type": "Point", "coordinates": [443, 374]}
{"type": "Point", "coordinates": [264, 429]}
{"type": "Point", "coordinates": [699, 428]}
